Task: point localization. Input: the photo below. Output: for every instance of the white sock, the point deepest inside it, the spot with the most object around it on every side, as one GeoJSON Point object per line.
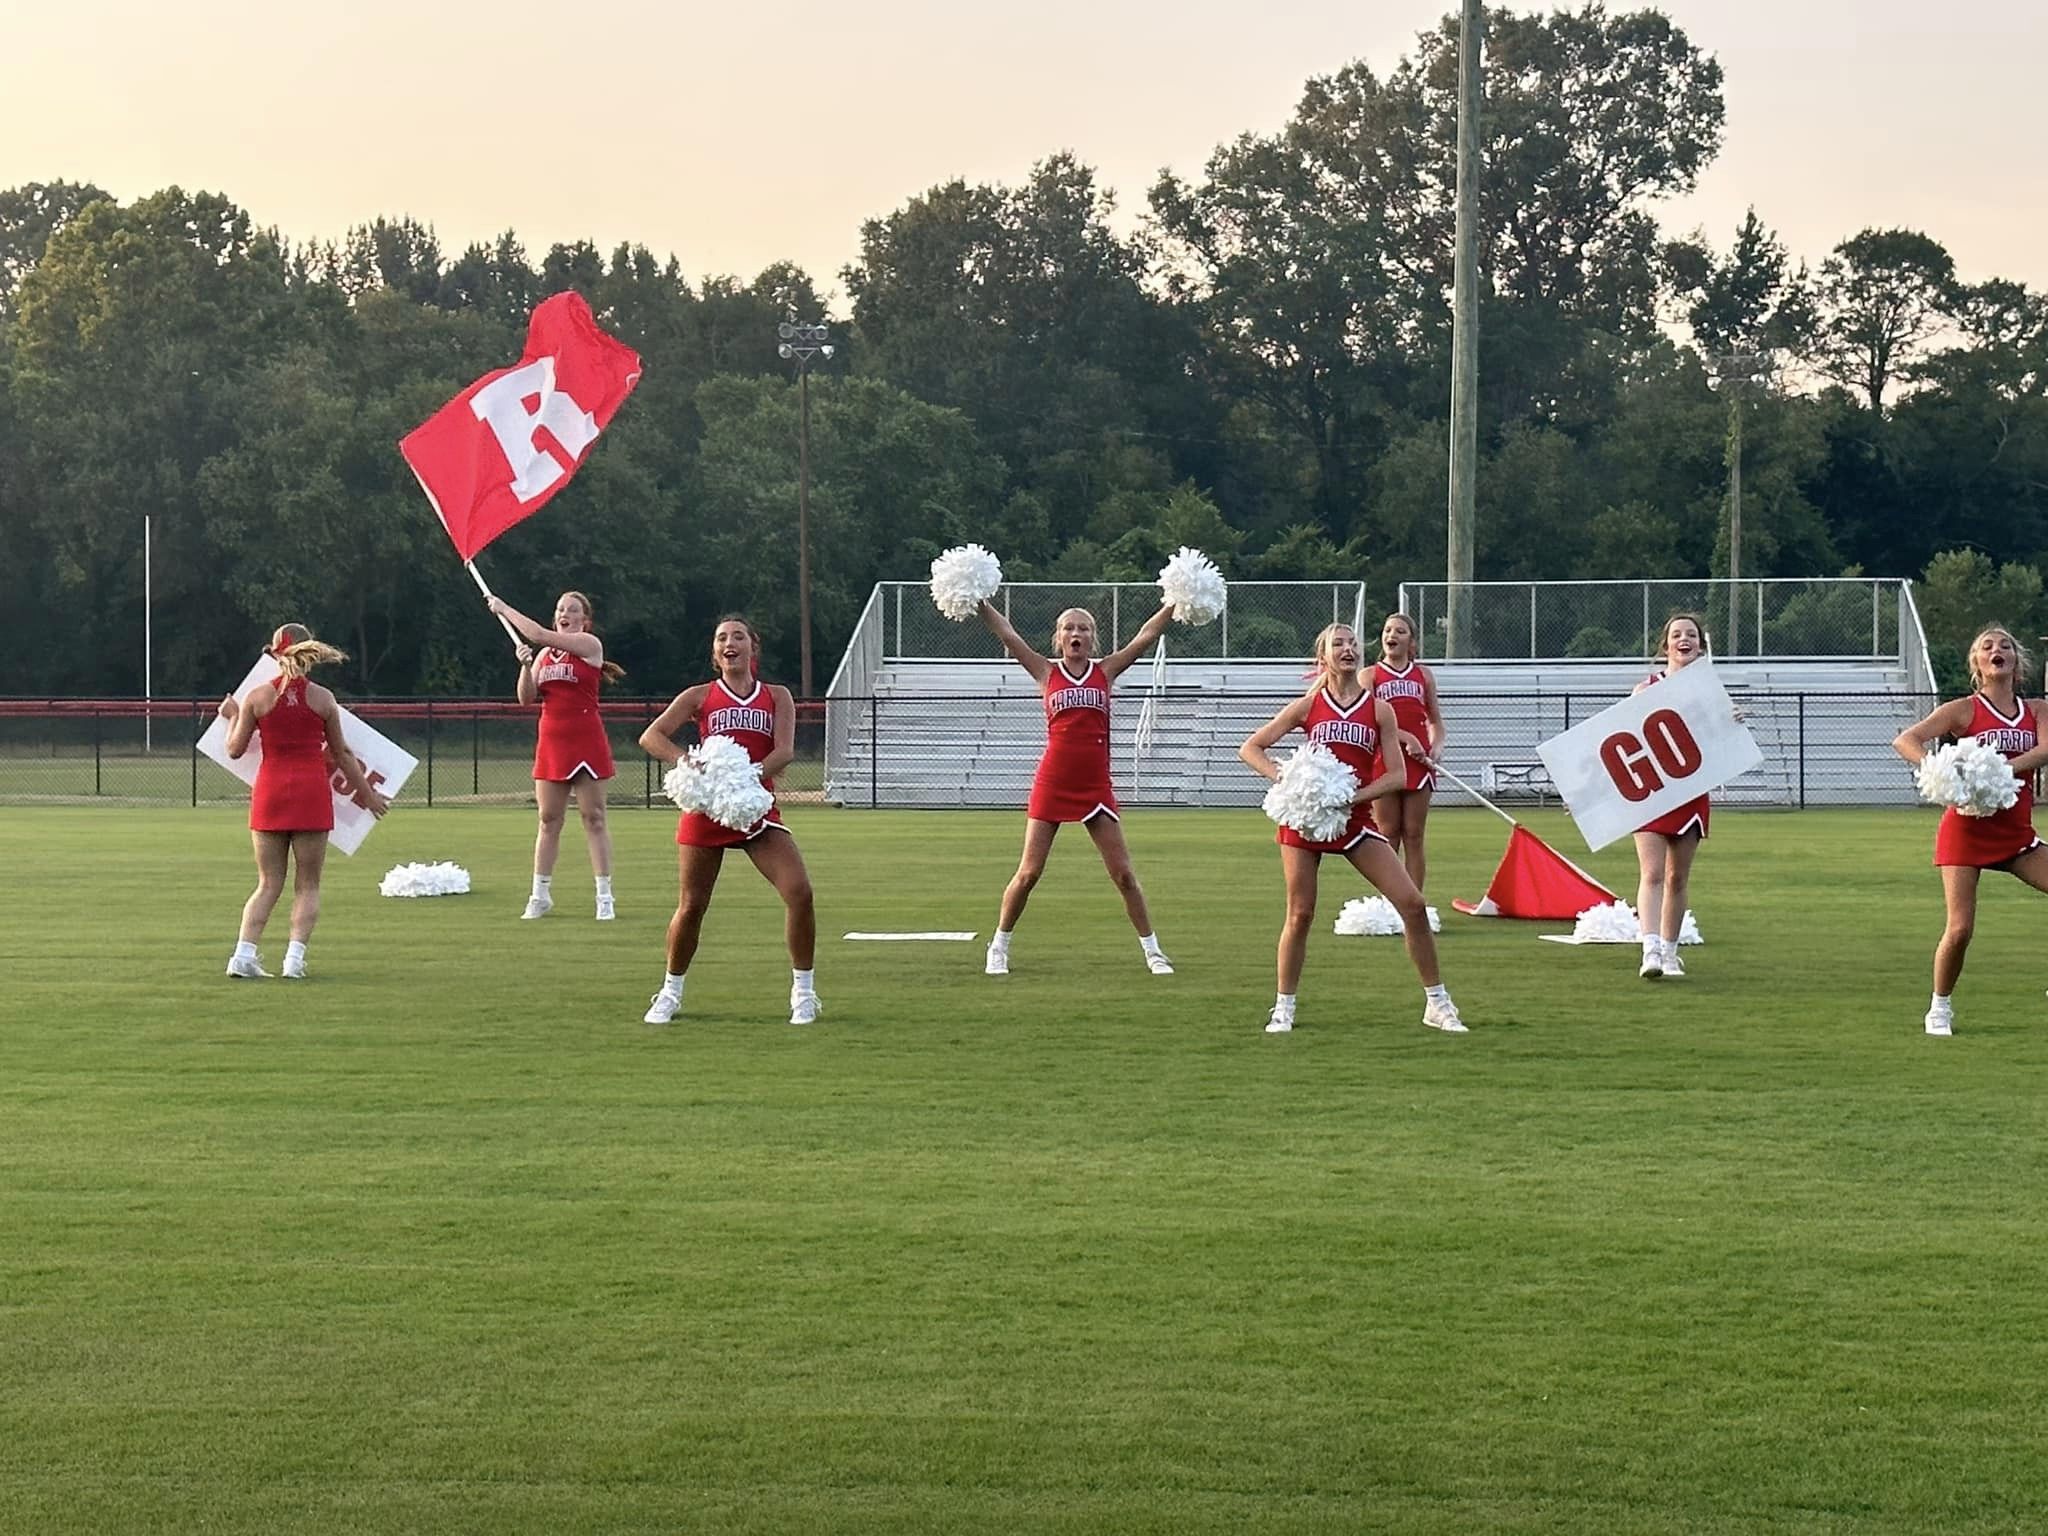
{"type": "Point", "coordinates": [604, 885]}
{"type": "Point", "coordinates": [295, 952]}
{"type": "Point", "coordinates": [1283, 1003]}
{"type": "Point", "coordinates": [1000, 944]}
{"type": "Point", "coordinates": [1436, 994]}
{"type": "Point", "coordinates": [804, 981]}
{"type": "Point", "coordinates": [1671, 949]}
{"type": "Point", "coordinates": [540, 886]}
{"type": "Point", "coordinates": [244, 950]}
{"type": "Point", "coordinates": [1149, 942]}
{"type": "Point", "coordinates": [1939, 1005]}
{"type": "Point", "coordinates": [672, 984]}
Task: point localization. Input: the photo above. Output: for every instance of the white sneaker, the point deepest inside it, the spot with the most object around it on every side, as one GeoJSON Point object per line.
{"type": "Point", "coordinates": [1444, 1016]}
{"type": "Point", "coordinates": [537, 906]}
{"type": "Point", "coordinates": [1158, 965]}
{"type": "Point", "coordinates": [1278, 1023]}
{"type": "Point", "coordinates": [803, 1008]}
{"type": "Point", "coordinates": [1653, 962]}
{"type": "Point", "coordinates": [998, 962]}
{"type": "Point", "coordinates": [663, 1009]}
{"type": "Point", "coordinates": [294, 970]}
{"type": "Point", "coordinates": [1673, 969]}
{"type": "Point", "coordinates": [605, 910]}
{"type": "Point", "coordinates": [1941, 1021]}
{"type": "Point", "coordinates": [249, 970]}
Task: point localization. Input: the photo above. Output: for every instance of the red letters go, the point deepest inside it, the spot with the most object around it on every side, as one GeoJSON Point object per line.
{"type": "Point", "coordinates": [1633, 764]}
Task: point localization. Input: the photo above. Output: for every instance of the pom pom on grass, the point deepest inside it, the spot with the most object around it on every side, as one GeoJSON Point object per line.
{"type": "Point", "coordinates": [1375, 917]}
{"type": "Point", "coordinates": [442, 879]}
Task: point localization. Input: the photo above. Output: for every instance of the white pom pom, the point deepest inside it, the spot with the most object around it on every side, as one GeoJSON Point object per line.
{"type": "Point", "coordinates": [720, 780]}
{"type": "Point", "coordinates": [1193, 585]}
{"type": "Point", "coordinates": [442, 879]}
{"type": "Point", "coordinates": [1375, 917]}
{"type": "Point", "coordinates": [963, 579]}
{"type": "Point", "coordinates": [1615, 923]}
{"type": "Point", "coordinates": [1970, 775]}
{"type": "Point", "coordinates": [1313, 794]}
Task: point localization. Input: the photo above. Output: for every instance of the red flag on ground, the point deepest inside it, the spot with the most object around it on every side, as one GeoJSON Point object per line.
{"type": "Point", "coordinates": [1535, 880]}
{"type": "Point", "coordinates": [495, 453]}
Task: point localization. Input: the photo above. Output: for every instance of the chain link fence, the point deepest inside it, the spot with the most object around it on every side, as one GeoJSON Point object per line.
{"type": "Point", "coordinates": [1832, 617]}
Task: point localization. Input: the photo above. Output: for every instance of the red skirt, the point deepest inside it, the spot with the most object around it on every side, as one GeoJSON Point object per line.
{"type": "Point", "coordinates": [572, 744]}
{"type": "Point", "coordinates": [1689, 817]}
{"type": "Point", "coordinates": [1984, 842]}
{"type": "Point", "coordinates": [1066, 790]}
{"type": "Point", "coordinates": [1358, 829]}
{"type": "Point", "coordinates": [696, 830]}
{"type": "Point", "coordinates": [292, 794]}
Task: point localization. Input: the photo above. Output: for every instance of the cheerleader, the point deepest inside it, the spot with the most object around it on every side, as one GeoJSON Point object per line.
{"type": "Point", "coordinates": [761, 717]}
{"type": "Point", "coordinates": [1397, 678]}
{"type": "Point", "coordinates": [1340, 713]}
{"type": "Point", "coordinates": [1666, 847]}
{"type": "Point", "coordinates": [563, 668]}
{"type": "Point", "coordinates": [1072, 782]}
{"type": "Point", "coordinates": [1966, 846]}
{"type": "Point", "coordinates": [291, 809]}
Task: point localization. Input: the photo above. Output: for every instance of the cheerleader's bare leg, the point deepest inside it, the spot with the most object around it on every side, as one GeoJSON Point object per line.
{"type": "Point", "coordinates": [1413, 810]}
{"type": "Point", "coordinates": [590, 804]}
{"type": "Point", "coordinates": [1959, 891]}
{"type": "Point", "coordinates": [1650, 859]}
{"type": "Point", "coordinates": [1677, 885]}
{"type": "Point", "coordinates": [775, 854]}
{"type": "Point", "coordinates": [272, 850]}
{"type": "Point", "coordinates": [309, 859]}
{"type": "Point", "coordinates": [1108, 834]}
{"type": "Point", "coordinates": [552, 799]}
{"type": "Point", "coordinates": [1382, 867]}
{"type": "Point", "coordinates": [1299, 867]}
{"type": "Point", "coordinates": [697, 874]}
{"type": "Point", "coordinates": [1038, 837]}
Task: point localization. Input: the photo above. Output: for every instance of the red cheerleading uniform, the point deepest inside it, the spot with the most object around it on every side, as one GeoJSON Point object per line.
{"type": "Point", "coordinates": [1072, 782]}
{"type": "Point", "coordinates": [750, 721]}
{"type": "Point", "coordinates": [572, 738]}
{"type": "Point", "coordinates": [1354, 736]}
{"type": "Point", "coordinates": [1689, 817]}
{"type": "Point", "coordinates": [291, 793]}
{"type": "Point", "coordinates": [1986, 842]}
{"type": "Point", "coordinates": [1403, 688]}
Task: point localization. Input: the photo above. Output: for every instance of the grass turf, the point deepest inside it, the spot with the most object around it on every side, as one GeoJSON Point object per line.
{"type": "Point", "coordinates": [446, 1240]}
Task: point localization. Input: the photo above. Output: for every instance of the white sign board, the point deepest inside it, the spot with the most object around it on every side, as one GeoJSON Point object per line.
{"type": "Point", "coordinates": [385, 764]}
{"type": "Point", "coordinates": [1649, 754]}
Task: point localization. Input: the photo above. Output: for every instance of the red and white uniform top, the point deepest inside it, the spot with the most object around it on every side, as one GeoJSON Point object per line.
{"type": "Point", "coordinates": [572, 737]}
{"type": "Point", "coordinates": [1987, 841]}
{"type": "Point", "coordinates": [1406, 689]}
{"type": "Point", "coordinates": [1072, 783]}
{"type": "Point", "coordinates": [748, 719]}
{"type": "Point", "coordinates": [1352, 734]}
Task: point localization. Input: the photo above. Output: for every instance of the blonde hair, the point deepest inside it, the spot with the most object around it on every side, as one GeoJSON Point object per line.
{"type": "Point", "coordinates": [1086, 614]}
{"type": "Point", "coordinates": [611, 669]}
{"type": "Point", "coordinates": [1414, 635]}
{"type": "Point", "coordinates": [298, 653]}
{"type": "Point", "coordinates": [1320, 678]}
{"type": "Point", "coordinates": [2022, 659]}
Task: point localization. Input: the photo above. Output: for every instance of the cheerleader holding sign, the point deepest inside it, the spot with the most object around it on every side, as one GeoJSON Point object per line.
{"type": "Point", "coordinates": [1965, 845]}
{"type": "Point", "coordinates": [1341, 714]}
{"type": "Point", "coordinates": [1072, 783]}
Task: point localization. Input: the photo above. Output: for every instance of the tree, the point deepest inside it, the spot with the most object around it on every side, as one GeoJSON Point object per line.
{"type": "Point", "coordinates": [1750, 300]}
{"type": "Point", "coordinates": [1883, 295]}
{"type": "Point", "coordinates": [29, 216]}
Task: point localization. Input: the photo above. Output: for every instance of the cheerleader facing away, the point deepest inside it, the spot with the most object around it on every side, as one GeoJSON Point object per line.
{"type": "Point", "coordinates": [1966, 846]}
{"type": "Point", "coordinates": [1666, 847]}
{"type": "Point", "coordinates": [1397, 678]}
{"type": "Point", "coordinates": [761, 717]}
{"type": "Point", "coordinates": [1072, 782]}
{"type": "Point", "coordinates": [573, 754]}
{"type": "Point", "coordinates": [291, 809]}
{"type": "Point", "coordinates": [1339, 713]}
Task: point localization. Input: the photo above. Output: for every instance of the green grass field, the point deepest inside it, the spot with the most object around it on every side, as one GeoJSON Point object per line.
{"type": "Point", "coordinates": [446, 1240]}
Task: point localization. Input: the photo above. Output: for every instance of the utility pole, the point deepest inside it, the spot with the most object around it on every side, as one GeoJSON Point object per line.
{"type": "Point", "coordinates": [1735, 375]}
{"type": "Point", "coordinates": [1464, 346]}
{"type": "Point", "coordinates": [799, 342]}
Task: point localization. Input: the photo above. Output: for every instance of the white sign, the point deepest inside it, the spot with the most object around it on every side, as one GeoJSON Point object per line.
{"type": "Point", "coordinates": [385, 764]}
{"type": "Point", "coordinates": [1649, 754]}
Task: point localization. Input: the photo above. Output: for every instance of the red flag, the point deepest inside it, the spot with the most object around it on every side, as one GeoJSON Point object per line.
{"type": "Point", "coordinates": [1535, 880]}
{"type": "Point", "coordinates": [496, 452]}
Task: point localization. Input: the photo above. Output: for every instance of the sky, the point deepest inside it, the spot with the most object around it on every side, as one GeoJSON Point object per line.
{"type": "Point", "coordinates": [734, 141]}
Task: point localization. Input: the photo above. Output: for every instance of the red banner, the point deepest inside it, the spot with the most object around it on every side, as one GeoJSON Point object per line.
{"type": "Point", "coordinates": [498, 451]}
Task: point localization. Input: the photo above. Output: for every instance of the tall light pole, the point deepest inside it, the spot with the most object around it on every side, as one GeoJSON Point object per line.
{"type": "Point", "coordinates": [800, 343]}
{"type": "Point", "coordinates": [1736, 374]}
{"type": "Point", "coordinates": [1464, 348]}
{"type": "Point", "coordinates": [148, 657]}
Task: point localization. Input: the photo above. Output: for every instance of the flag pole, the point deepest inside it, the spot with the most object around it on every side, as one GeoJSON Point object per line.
{"type": "Point", "coordinates": [477, 576]}
{"type": "Point", "coordinates": [1503, 815]}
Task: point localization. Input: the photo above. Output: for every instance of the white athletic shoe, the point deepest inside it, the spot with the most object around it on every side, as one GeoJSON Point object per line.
{"type": "Point", "coordinates": [998, 962]}
{"type": "Point", "coordinates": [605, 910]}
{"type": "Point", "coordinates": [1444, 1016]}
{"type": "Point", "coordinates": [1159, 965]}
{"type": "Point", "coordinates": [1653, 963]}
{"type": "Point", "coordinates": [803, 1008]}
{"type": "Point", "coordinates": [1941, 1021]}
{"type": "Point", "coordinates": [663, 1009]}
{"type": "Point", "coordinates": [1674, 970]}
{"type": "Point", "coordinates": [537, 906]}
{"type": "Point", "coordinates": [294, 970]}
{"type": "Point", "coordinates": [1278, 1023]}
{"type": "Point", "coordinates": [248, 970]}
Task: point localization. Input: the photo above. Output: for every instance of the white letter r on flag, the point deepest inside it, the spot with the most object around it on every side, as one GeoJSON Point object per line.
{"type": "Point", "coordinates": [501, 406]}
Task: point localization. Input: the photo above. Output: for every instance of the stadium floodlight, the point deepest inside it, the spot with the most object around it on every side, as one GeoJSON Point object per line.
{"type": "Point", "coordinates": [801, 342]}
{"type": "Point", "coordinates": [1737, 374]}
